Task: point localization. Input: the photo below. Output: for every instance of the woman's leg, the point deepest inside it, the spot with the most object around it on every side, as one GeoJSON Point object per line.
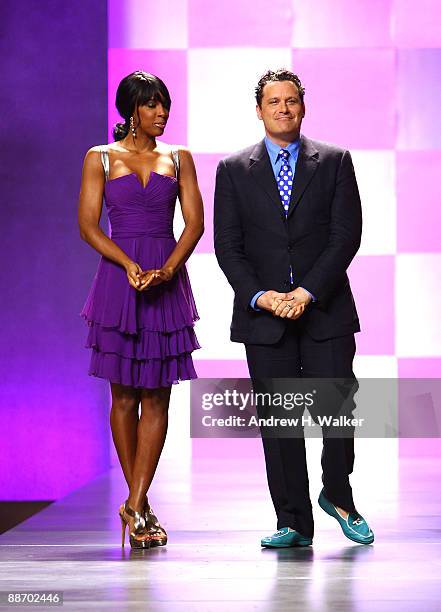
{"type": "Point", "coordinates": [152, 430]}
{"type": "Point", "coordinates": [124, 423]}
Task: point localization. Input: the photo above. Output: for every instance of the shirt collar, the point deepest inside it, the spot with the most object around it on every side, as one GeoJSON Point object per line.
{"type": "Point", "coordinates": [273, 149]}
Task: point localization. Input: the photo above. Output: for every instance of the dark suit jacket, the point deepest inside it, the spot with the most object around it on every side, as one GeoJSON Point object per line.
{"type": "Point", "coordinates": [255, 243]}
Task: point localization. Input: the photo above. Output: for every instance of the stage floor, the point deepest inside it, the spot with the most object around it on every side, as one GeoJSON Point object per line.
{"type": "Point", "coordinates": [215, 511]}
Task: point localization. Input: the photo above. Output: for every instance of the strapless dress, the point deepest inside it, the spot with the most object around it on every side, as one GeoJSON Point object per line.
{"type": "Point", "coordinates": [141, 339]}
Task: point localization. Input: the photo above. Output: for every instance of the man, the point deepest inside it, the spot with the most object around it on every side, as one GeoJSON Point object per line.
{"type": "Point", "coordinates": [287, 223]}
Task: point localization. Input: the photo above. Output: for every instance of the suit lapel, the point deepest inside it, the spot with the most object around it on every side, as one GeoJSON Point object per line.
{"type": "Point", "coordinates": [262, 172]}
{"type": "Point", "coordinates": [307, 163]}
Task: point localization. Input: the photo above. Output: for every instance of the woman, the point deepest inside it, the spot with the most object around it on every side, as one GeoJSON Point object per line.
{"type": "Point", "coordinates": [140, 309]}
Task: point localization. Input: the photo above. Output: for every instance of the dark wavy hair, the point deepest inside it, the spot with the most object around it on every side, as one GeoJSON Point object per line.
{"type": "Point", "coordinates": [277, 75]}
{"type": "Point", "coordinates": [135, 90]}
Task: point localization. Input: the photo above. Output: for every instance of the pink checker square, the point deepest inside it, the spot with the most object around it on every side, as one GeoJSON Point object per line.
{"type": "Point", "coordinates": [168, 65]}
{"type": "Point", "coordinates": [327, 24]}
{"type": "Point", "coordinates": [417, 25]}
{"type": "Point", "coordinates": [350, 96]}
{"type": "Point", "coordinates": [252, 23]}
{"type": "Point", "coordinates": [221, 368]}
{"type": "Point", "coordinates": [423, 367]}
{"type": "Point", "coordinates": [420, 447]}
{"type": "Point", "coordinates": [418, 203]}
{"type": "Point", "coordinates": [206, 164]}
{"type": "Point", "coordinates": [373, 287]}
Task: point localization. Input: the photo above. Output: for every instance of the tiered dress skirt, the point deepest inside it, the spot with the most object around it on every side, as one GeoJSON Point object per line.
{"type": "Point", "coordinates": [141, 339]}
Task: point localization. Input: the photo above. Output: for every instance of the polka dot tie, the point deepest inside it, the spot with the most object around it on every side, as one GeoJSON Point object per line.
{"type": "Point", "coordinates": [284, 184]}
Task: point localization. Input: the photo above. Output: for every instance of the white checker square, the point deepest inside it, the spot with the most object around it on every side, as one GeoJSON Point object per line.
{"type": "Point", "coordinates": [221, 104]}
{"type": "Point", "coordinates": [375, 366]}
{"type": "Point", "coordinates": [418, 305]}
{"type": "Point", "coordinates": [214, 301]}
{"type": "Point", "coordinates": [375, 172]}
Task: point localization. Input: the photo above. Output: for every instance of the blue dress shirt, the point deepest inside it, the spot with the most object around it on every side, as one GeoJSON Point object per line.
{"type": "Point", "coordinates": [273, 151]}
{"type": "Point", "coordinates": [276, 163]}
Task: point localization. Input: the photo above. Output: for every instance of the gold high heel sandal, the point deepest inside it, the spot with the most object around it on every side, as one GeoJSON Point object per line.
{"type": "Point", "coordinates": [139, 528]}
{"type": "Point", "coordinates": [156, 531]}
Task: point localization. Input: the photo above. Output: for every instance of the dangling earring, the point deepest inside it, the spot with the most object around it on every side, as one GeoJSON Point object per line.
{"type": "Point", "coordinates": [132, 127]}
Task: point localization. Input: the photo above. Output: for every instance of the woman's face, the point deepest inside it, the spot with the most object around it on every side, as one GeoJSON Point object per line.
{"type": "Point", "coordinates": [153, 117]}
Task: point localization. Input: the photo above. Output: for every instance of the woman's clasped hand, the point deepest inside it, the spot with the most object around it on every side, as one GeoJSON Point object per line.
{"type": "Point", "coordinates": [141, 279]}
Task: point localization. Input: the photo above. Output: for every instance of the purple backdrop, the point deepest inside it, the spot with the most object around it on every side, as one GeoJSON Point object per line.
{"type": "Point", "coordinates": [54, 424]}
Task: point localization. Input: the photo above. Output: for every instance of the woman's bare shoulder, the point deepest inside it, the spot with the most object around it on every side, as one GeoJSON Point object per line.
{"type": "Point", "coordinates": [185, 156]}
{"type": "Point", "coordinates": [92, 158]}
{"type": "Point", "coordinates": [94, 153]}
{"type": "Point", "coordinates": [97, 148]}
{"type": "Point", "coordinates": [183, 151]}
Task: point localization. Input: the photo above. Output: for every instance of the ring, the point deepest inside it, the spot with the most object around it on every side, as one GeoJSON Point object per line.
{"type": "Point", "coordinates": [288, 306]}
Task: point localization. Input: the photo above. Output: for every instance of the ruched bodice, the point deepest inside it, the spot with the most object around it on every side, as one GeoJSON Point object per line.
{"type": "Point", "coordinates": [135, 210]}
{"type": "Point", "coordinates": [141, 338]}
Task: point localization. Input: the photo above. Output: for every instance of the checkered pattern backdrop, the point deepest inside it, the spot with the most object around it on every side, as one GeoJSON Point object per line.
{"type": "Point", "coordinates": [371, 72]}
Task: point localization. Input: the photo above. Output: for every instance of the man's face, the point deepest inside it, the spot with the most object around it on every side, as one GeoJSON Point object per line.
{"type": "Point", "coordinates": [282, 110]}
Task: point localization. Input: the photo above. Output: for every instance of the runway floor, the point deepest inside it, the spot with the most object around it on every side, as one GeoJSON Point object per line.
{"type": "Point", "coordinates": [215, 512]}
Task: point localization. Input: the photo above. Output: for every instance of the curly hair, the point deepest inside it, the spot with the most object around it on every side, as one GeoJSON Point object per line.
{"type": "Point", "coordinates": [282, 74]}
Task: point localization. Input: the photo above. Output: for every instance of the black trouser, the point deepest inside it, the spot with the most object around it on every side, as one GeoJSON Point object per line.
{"type": "Point", "coordinates": [298, 355]}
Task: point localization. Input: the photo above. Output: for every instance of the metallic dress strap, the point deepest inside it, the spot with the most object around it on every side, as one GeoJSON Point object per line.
{"type": "Point", "coordinates": [175, 156]}
{"type": "Point", "coordinates": [105, 160]}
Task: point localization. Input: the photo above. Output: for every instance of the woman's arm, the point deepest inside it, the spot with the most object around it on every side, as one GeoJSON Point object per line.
{"type": "Point", "coordinates": [193, 214]}
{"type": "Point", "coordinates": [89, 214]}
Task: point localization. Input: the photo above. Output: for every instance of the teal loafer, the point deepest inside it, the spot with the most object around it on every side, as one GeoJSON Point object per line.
{"type": "Point", "coordinates": [284, 538]}
{"type": "Point", "coordinates": [354, 526]}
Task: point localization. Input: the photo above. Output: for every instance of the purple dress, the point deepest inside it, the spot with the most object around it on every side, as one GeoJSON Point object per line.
{"type": "Point", "coordinates": [141, 339]}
